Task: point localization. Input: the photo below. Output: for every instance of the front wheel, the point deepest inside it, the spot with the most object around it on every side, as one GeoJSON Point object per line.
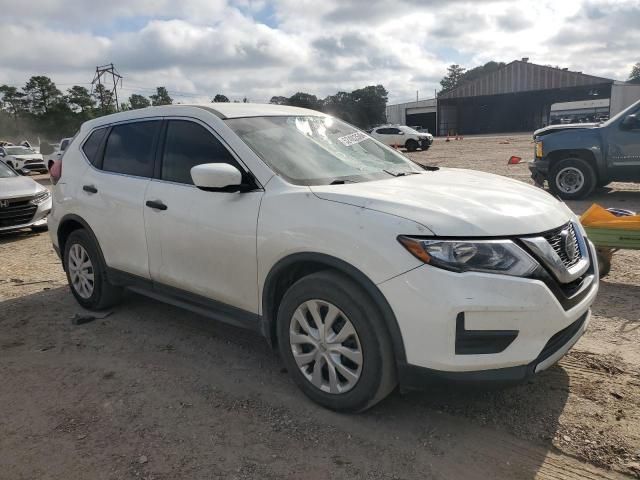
{"type": "Point", "coordinates": [572, 178]}
{"type": "Point", "coordinates": [334, 343]}
{"type": "Point", "coordinates": [411, 145]}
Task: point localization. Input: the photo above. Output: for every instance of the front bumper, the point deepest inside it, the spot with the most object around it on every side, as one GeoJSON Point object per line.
{"type": "Point", "coordinates": [539, 169]}
{"type": "Point", "coordinates": [10, 221]}
{"type": "Point", "coordinates": [428, 302]}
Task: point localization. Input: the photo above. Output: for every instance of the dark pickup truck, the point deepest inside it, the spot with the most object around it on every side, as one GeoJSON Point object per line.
{"type": "Point", "coordinates": [576, 158]}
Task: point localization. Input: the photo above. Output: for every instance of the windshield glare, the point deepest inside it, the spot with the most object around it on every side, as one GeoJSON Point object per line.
{"type": "Point", "coordinates": [5, 171]}
{"type": "Point", "coordinates": [316, 150]}
{"type": "Point", "coordinates": [18, 150]}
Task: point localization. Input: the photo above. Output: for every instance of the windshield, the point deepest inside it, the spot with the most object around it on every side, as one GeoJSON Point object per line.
{"type": "Point", "coordinates": [310, 150]}
{"type": "Point", "coordinates": [5, 171]}
{"type": "Point", "coordinates": [18, 150]}
{"type": "Point", "coordinates": [623, 113]}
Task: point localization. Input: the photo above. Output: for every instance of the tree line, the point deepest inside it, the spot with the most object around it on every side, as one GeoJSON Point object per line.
{"type": "Point", "coordinates": [41, 110]}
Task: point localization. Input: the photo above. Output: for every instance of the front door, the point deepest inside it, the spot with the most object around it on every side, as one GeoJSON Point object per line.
{"type": "Point", "coordinates": [623, 152]}
{"type": "Point", "coordinates": [201, 242]}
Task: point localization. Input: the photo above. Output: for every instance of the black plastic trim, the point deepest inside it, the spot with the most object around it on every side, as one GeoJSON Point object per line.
{"type": "Point", "coordinates": [477, 342]}
{"type": "Point", "coordinates": [180, 298]}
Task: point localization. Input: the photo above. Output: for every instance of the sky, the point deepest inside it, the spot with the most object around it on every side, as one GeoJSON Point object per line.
{"type": "Point", "coordinates": [257, 48]}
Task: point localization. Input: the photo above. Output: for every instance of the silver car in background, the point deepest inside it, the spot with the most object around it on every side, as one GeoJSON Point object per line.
{"type": "Point", "coordinates": [24, 203]}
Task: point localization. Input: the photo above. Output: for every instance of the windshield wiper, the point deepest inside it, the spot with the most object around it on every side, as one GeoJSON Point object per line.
{"type": "Point", "coordinates": [341, 182]}
{"type": "Point", "coordinates": [400, 174]}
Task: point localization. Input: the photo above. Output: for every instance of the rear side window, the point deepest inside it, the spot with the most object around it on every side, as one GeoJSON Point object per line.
{"type": "Point", "coordinates": [92, 145]}
{"type": "Point", "coordinates": [130, 148]}
{"type": "Point", "coordinates": [188, 144]}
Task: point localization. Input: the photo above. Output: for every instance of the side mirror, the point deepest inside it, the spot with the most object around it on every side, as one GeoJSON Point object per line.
{"type": "Point", "coordinates": [400, 132]}
{"type": "Point", "coordinates": [631, 122]}
{"type": "Point", "coordinates": [24, 171]}
{"type": "Point", "coordinates": [218, 177]}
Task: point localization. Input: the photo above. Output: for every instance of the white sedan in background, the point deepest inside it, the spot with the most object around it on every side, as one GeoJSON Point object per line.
{"type": "Point", "coordinates": [402, 136]}
{"type": "Point", "coordinates": [19, 157]}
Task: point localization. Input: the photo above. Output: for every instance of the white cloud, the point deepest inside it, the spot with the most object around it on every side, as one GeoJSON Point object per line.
{"type": "Point", "coordinates": [257, 48]}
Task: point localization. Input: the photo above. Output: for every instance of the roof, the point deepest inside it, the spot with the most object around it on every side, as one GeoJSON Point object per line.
{"type": "Point", "coordinates": [519, 76]}
{"type": "Point", "coordinates": [221, 110]}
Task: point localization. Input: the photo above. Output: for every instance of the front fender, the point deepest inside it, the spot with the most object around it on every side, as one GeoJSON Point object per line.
{"type": "Point", "coordinates": [585, 143]}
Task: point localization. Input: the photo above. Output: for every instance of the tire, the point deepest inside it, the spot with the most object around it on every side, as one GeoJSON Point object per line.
{"type": "Point", "coordinates": [411, 145]}
{"type": "Point", "coordinates": [102, 294]}
{"type": "Point", "coordinates": [572, 178]}
{"type": "Point", "coordinates": [604, 261]}
{"type": "Point", "coordinates": [376, 372]}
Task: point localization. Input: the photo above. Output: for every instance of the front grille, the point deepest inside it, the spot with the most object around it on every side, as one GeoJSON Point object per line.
{"type": "Point", "coordinates": [18, 212]}
{"type": "Point", "coordinates": [561, 338]}
{"type": "Point", "coordinates": [555, 239]}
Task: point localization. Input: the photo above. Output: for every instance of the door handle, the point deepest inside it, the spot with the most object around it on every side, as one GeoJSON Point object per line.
{"type": "Point", "coordinates": [90, 189]}
{"type": "Point", "coordinates": [157, 204]}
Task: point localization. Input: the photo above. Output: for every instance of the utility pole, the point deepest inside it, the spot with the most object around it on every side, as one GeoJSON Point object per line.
{"type": "Point", "coordinates": [108, 78]}
{"type": "Point", "coordinates": [416, 95]}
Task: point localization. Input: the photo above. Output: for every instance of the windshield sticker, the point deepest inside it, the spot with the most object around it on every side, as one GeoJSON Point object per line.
{"type": "Point", "coordinates": [352, 139]}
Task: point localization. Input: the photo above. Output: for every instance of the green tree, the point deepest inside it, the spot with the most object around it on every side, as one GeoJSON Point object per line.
{"type": "Point", "coordinates": [80, 98]}
{"type": "Point", "coordinates": [634, 77]}
{"type": "Point", "coordinates": [341, 105]}
{"type": "Point", "coordinates": [305, 100]}
{"type": "Point", "coordinates": [477, 72]}
{"type": "Point", "coordinates": [12, 101]}
{"type": "Point", "coordinates": [105, 99]}
{"type": "Point", "coordinates": [161, 97]}
{"type": "Point", "coordinates": [219, 98]}
{"type": "Point", "coordinates": [138, 101]}
{"type": "Point", "coordinates": [41, 94]}
{"type": "Point", "coordinates": [279, 100]}
{"type": "Point", "coordinates": [453, 78]}
{"type": "Point", "coordinates": [370, 105]}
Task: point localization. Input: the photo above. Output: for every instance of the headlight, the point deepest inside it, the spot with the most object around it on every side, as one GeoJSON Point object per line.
{"type": "Point", "coordinates": [489, 256]}
{"type": "Point", "coordinates": [40, 197]}
{"type": "Point", "coordinates": [539, 149]}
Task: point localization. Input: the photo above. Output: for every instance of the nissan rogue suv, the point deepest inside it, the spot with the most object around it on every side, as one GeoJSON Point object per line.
{"type": "Point", "coordinates": [364, 269]}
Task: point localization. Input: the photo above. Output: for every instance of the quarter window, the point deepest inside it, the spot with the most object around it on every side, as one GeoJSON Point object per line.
{"type": "Point", "coordinates": [130, 148]}
{"type": "Point", "coordinates": [187, 145]}
{"type": "Point", "coordinates": [92, 145]}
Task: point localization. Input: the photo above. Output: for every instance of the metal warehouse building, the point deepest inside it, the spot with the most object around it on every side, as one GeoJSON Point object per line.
{"type": "Point", "coordinates": [517, 97]}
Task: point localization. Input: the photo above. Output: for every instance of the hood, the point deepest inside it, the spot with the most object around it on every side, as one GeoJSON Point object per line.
{"type": "Point", "coordinates": [559, 128]}
{"type": "Point", "coordinates": [13, 187]}
{"type": "Point", "coordinates": [456, 202]}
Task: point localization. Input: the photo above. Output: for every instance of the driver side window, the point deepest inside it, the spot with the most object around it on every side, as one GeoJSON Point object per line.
{"type": "Point", "coordinates": [188, 144]}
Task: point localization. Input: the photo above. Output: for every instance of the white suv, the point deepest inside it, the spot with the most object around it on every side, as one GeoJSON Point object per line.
{"type": "Point", "coordinates": [363, 268]}
{"type": "Point", "coordinates": [402, 136]}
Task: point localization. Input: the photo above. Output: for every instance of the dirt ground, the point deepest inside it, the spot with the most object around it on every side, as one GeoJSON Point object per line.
{"type": "Point", "coordinates": [154, 392]}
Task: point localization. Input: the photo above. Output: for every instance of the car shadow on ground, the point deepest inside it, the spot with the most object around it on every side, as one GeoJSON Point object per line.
{"type": "Point", "coordinates": [16, 236]}
{"type": "Point", "coordinates": [449, 430]}
{"type": "Point", "coordinates": [619, 300]}
{"type": "Point", "coordinates": [608, 198]}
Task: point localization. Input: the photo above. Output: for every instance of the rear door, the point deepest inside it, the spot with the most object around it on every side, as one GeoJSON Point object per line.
{"type": "Point", "coordinates": [201, 242]}
{"type": "Point", "coordinates": [112, 191]}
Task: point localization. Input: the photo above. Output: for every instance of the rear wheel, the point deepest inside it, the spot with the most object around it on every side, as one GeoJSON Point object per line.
{"type": "Point", "coordinates": [86, 273]}
{"type": "Point", "coordinates": [572, 178]}
{"type": "Point", "coordinates": [334, 343]}
{"type": "Point", "coordinates": [411, 145]}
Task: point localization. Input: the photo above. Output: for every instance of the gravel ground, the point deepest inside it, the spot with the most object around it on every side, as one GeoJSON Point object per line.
{"type": "Point", "coordinates": [155, 392]}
